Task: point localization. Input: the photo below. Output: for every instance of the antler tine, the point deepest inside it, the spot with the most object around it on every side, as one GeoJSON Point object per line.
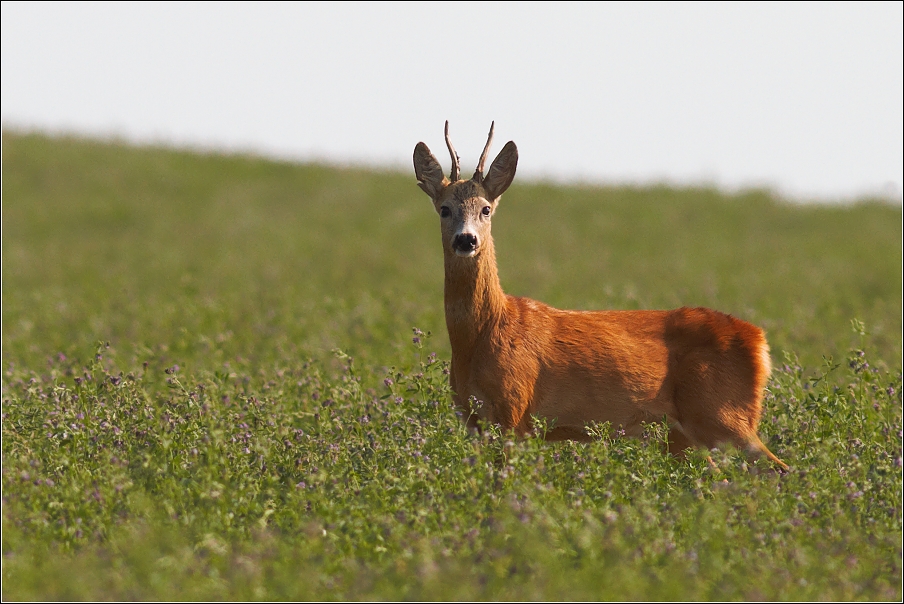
{"type": "Point", "coordinates": [478, 173]}
{"type": "Point", "coordinates": [456, 169]}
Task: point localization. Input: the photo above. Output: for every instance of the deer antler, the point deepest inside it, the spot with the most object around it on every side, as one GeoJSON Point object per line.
{"type": "Point", "coordinates": [478, 173]}
{"type": "Point", "coordinates": [456, 170]}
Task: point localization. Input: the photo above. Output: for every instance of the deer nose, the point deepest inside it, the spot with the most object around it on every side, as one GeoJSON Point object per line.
{"type": "Point", "coordinates": [465, 242]}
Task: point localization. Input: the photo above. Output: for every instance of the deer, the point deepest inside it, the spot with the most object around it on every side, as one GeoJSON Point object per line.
{"type": "Point", "coordinates": [513, 358]}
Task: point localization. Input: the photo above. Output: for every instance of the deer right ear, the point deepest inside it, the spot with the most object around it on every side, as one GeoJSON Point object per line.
{"type": "Point", "coordinates": [429, 173]}
{"type": "Point", "coordinates": [502, 172]}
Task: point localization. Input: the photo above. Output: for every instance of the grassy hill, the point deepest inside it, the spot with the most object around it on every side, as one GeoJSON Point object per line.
{"type": "Point", "coordinates": [176, 423]}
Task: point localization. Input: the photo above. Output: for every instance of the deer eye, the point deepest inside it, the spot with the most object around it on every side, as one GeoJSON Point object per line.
{"type": "Point", "coordinates": [444, 212]}
{"type": "Point", "coordinates": [485, 211]}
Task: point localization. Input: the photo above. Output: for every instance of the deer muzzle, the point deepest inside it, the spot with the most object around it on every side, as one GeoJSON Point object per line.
{"type": "Point", "coordinates": [465, 244]}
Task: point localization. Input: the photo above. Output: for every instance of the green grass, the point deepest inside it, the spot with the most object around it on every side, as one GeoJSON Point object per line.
{"type": "Point", "coordinates": [176, 424]}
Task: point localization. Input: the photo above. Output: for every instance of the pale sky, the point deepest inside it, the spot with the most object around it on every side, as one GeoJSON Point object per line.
{"type": "Point", "coordinates": [803, 98]}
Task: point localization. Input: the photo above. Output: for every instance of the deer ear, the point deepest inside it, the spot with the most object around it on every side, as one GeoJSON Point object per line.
{"type": "Point", "coordinates": [429, 173]}
{"type": "Point", "coordinates": [502, 172]}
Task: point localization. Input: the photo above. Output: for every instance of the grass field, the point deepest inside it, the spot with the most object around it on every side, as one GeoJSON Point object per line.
{"type": "Point", "coordinates": [211, 390]}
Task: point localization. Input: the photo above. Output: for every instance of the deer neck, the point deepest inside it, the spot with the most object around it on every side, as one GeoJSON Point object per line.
{"type": "Point", "coordinates": [474, 300]}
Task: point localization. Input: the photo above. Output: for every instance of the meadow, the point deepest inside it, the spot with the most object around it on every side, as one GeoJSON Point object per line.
{"type": "Point", "coordinates": [225, 378]}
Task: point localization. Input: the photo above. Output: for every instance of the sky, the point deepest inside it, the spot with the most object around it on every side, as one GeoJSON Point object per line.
{"type": "Point", "coordinates": [806, 99]}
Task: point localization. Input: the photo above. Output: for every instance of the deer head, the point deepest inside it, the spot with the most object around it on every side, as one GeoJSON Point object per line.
{"type": "Point", "coordinates": [465, 207]}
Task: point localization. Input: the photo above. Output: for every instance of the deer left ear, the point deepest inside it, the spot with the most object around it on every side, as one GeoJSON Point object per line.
{"type": "Point", "coordinates": [502, 172]}
{"type": "Point", "coordinates": [429, 173]}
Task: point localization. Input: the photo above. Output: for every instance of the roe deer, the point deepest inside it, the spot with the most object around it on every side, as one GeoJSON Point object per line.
{"type": "Point", "coordinates": [703, 370]}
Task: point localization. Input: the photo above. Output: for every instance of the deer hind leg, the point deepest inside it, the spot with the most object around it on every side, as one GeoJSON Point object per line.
{"type": "Point", "coordinates": [720, 407]}
{"type": "Point", "coordinates": [731, 428]}
{"type": "Point", "coordinates": [756, 449]}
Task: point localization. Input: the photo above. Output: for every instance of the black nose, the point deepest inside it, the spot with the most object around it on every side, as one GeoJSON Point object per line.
{"type": "Point", "coordinates": [465, 242]}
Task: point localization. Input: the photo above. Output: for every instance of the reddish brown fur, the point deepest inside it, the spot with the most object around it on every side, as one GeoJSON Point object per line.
{"type": "Point", "coordinates": [703, 370]}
